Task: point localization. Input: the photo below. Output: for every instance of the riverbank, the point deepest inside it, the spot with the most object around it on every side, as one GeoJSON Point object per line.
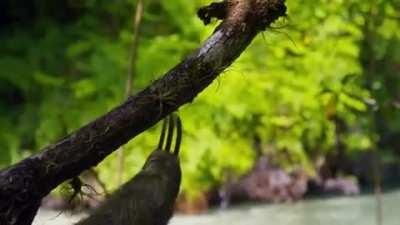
{"type": "Point", "coordinates": [332, 211]}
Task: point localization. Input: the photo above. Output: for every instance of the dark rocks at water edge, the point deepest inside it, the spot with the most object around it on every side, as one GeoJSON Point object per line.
{"type": "Point", "coordinates": [269, 183]}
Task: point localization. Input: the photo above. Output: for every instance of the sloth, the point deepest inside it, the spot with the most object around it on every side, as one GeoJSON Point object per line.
{"type": "Point", "coordinates": [149, 197]}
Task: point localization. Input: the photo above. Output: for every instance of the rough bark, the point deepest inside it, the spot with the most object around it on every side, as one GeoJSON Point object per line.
{"type": "Point", "coordinates": [22, 186]}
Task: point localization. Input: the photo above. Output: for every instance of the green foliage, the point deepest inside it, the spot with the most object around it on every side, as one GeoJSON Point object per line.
{"type": "Point", "coordinates": [68, 64]}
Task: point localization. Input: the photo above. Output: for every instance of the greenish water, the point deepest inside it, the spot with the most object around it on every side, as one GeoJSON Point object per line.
{"type": "Point", "coordinates": [358, 210]}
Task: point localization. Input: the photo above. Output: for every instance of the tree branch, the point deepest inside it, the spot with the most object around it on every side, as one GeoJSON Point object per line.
{"type": "Point", "coordinates": [23, 185]}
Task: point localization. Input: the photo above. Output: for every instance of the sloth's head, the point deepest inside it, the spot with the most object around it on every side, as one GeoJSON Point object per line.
{"type": "Point", "coordinates": [162, 161]}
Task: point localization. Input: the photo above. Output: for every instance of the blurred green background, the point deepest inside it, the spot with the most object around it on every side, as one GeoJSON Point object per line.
{"type": "Point", "coordinates": [324, 79]}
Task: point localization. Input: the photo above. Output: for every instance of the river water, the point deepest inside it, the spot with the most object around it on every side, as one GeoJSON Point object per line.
{"type": "Point", "coordinates": [359, 210]}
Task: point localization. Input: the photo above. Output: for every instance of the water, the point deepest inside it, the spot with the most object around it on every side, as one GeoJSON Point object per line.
{"type": "Point", "coordinates": [334, 211]}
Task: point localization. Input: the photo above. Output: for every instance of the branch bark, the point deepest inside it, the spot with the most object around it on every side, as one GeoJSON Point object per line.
{"type": "Point", "coordinates": [23, 185]}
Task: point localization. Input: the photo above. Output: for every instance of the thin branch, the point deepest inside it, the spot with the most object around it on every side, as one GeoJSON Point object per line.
{"type": "Point", "coordinates": [129, 81]}
{"type": "Point", "coordinates": [134, 47]}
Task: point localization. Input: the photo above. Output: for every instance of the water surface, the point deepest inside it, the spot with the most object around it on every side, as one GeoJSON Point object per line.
{"type": "Point", "coordinates": [358, 210]}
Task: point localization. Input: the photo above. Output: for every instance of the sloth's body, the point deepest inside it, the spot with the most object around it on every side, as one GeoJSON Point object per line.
{"type": "Point", "coordinates": [149, 197]}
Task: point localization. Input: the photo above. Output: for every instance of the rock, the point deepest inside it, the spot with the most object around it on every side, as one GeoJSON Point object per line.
{"type": "Point", "coordinates": [265, 183]}
{"type": "Point", "coordinates": [341, 186]}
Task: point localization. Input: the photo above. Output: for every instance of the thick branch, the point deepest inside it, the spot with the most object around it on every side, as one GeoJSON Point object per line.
{"type": "Point", "coordinates": [23, 185]}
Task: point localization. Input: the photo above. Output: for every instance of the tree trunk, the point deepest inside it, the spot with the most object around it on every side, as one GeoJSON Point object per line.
{"type": "Point", "coordinates": [22, 186]}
